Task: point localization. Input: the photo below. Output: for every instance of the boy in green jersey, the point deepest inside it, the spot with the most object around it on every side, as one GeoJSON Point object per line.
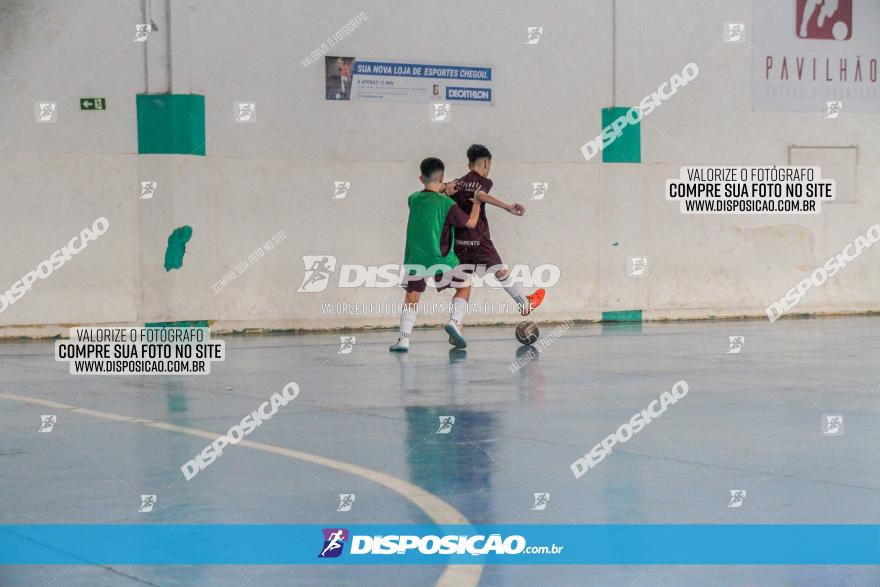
{"type": "Point", "coordinates": [430, 234]}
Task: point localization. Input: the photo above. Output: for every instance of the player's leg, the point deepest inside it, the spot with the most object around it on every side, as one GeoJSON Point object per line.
{"type": "Point", "coordinates": [525, 303]}
{"type": "Point", "coordinates": [454, 328]}
{"type": "Point", "coordinates": [408, 316]}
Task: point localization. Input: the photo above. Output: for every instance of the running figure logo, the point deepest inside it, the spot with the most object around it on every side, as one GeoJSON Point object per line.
{"type": "Point", "coordinates": [737, 496]}
{"type": "Point", "coordinates": [46, 112]}
{"type": "Point", "coordinates": [832, 424]}
{"type": "Point", "coordinates": [440, 112]}
{"type": "Point", "coordinates": [534, 35]}
{"type": "Point", "coordinates": [346, 345]}
{"type": "Point", "coordinates": [334, 540]}
{"type": "Point", "coordinates": [148, 188]}
{"type": "Point", "coordinates": [446, 423]}
{"type": "Point", "coordinates": [824, 19]}
{"type": "Point", "coordinates": [734, 32]}
{"type": "Point", "coordinates": [318, 270]}
{"type": "Point", "coordinates": [539, 190]}
{"type": "Point", "coordinates": [147, 503]}
{"type": "Point", "coordinates": [142, 32]}
{"type": "Point", "coordinates": [245, 112]}
{"type": "Point", "coordinates": [736, 344]}
{"type": "Point", "coordinates": [833, 108]}
{"type": "Point", "coordinates": [637, 266]}
{"type": "Point", "coordinates": [341, 189]}
{"type": "Point", "coordinates": [346, 501]}
{"type": "Point", "coordinates": [47, 422]}
{"type": "Point", "coordinates": [541, 500]}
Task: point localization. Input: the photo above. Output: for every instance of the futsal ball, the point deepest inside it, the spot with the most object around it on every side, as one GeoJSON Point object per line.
{"type": "Point", "coordinates": [527, 332]}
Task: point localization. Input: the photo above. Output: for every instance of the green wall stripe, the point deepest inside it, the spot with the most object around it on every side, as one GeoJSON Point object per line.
{"type": "Point", "coordinates": [171, 124]}
{"type": "Point", "coordinates": [627, 148]}
{"type": "Point", "coordinates": [622, 316]}
{"type": "Point", "coordinates": [180, 324]}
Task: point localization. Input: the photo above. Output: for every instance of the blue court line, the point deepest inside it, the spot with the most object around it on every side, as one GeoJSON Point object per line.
{"type": "Point", "coordinates": [267, 544]}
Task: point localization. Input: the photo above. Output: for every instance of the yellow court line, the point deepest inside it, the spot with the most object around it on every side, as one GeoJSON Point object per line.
{"type": "Point", "coordinates": [436, 509]}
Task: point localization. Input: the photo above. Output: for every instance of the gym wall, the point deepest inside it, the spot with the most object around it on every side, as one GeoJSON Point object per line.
{"type": "Point", "coordinates": [241, 184]}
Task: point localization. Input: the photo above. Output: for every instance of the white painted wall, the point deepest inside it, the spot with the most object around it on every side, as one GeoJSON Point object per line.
{"type": "Point", "coordinates": [278, 174]}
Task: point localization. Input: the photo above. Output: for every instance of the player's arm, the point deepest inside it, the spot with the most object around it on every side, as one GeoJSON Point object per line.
{"type": "Point", "coordinates": [460, 219]}
{"type": "Point", "coordinates": [515, 209]}
{"type": "Point", "coordinates": [475, 213]}
{"type": "Point", "coordinates": [450, 187]}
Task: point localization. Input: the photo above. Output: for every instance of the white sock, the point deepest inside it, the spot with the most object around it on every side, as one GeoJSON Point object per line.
{"type": "Point", "coordinates": [513, 290]}
{"type": "Point", "coordinates": [407, 321]}
{"type": "Point", "coordinates": [459, 306]}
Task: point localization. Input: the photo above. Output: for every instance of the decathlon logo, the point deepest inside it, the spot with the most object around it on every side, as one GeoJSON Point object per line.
{"type": "Point", "coordinates": [647, 105]}
{"type": "Point", "coordinates": [469, 94]}
{"type": "Point", "coordinates": [828, 20]}
{"type": "Point", "coordinates": [334, 540]}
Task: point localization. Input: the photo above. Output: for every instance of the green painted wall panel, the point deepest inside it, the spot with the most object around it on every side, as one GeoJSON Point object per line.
{"type": "Point", "coordinates": [622, 316]}
{"type": "Point", "coordinates": [627, 148]}
{"type": "Point", "coordinates": [171, 124]}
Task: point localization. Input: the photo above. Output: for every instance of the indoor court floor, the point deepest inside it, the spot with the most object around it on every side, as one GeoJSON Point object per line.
{"type": "Point", "coordinates": [366, 423]}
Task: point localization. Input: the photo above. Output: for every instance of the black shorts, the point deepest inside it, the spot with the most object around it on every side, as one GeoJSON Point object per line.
{"type": "Point", "coordinates": [453, 279]}
{"type": "Point", "coordinates": [477, 253]}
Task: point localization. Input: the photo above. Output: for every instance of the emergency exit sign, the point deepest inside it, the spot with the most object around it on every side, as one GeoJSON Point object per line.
{"type": "Point", "coordinates": [92, 104]}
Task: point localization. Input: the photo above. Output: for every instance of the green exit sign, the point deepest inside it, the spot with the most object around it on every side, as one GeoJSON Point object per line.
{"type": "Point", "coordinates": [92, 104]}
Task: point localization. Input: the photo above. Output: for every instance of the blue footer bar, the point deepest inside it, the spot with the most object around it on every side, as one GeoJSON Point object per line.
{"type": "Point", "coordinates": [271, 544]}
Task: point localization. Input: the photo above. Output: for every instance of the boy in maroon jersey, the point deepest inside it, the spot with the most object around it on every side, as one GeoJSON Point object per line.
{"type": "Point", "coordinates": [433, 220]}
{"type": "Point", "coordinates": [474, 245]}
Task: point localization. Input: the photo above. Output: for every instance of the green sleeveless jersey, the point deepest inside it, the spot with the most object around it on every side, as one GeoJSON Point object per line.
{"type": "Point", "coordinates": [424, 231]}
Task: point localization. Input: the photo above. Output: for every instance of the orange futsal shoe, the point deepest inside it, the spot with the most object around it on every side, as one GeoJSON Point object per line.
{"type": "Point", "coordinates": [534, 301]}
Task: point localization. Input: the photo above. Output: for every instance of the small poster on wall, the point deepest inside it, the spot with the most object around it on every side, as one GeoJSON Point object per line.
{"type": "Point", "coordinates": [346, 78]}
{"type": "Point", "coordinates": [813, 56]}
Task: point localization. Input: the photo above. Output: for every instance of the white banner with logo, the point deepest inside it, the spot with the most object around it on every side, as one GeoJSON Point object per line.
{"type": "Point", "coordinates": [347, 78]}
{"type": "Point", "coordinates": [811, 55]}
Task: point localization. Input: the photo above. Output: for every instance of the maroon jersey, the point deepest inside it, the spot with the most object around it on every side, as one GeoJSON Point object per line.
{"type": "Point", "coordinates": [457, 218]}
{"type": "Point", "coordinates": [474, 245]}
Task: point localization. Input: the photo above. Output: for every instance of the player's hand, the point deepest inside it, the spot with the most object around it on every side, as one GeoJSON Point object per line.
{"type": "Point", "coordinates": [451, 187]}
{"type": "Point", "coordinates": [516, 209]}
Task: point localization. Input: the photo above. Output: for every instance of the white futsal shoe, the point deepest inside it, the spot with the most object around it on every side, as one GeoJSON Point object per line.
{"type": "Point", "coordinates": [401, 346]}
{"type": "Point", "coordinates": [456, 337]}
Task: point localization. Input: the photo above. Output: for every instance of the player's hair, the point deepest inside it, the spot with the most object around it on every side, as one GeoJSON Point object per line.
{"type": "Point", "coordinates": [475, 152]}
{"type": "Point", "coordinates": [430, 166]}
